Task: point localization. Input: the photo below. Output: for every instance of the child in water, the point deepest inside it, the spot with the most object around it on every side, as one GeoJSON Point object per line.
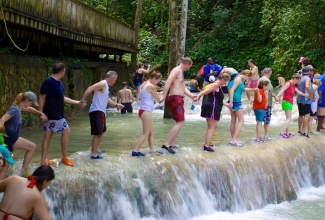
{"type": "Point", "coordinates": [259, 106]}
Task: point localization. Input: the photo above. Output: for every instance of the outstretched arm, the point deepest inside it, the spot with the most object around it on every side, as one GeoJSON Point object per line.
{"type": "Point", "coordinates": [35, 112]}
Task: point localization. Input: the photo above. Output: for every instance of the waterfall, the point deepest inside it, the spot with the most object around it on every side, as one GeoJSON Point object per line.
{"type": "Point", "coordinates": [188, 184]}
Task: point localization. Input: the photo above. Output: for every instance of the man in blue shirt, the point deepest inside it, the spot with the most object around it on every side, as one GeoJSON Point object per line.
{"type": "Point", "coordinates": [209, 69]}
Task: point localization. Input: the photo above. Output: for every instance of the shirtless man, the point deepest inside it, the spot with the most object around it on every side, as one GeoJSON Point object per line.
{"type": "Point", "coordinates": [176, 86]}
{"type": "Point", "coordinates": [253, 82]}
{"type": "Point", "coordinates": [124, 96]}
{"type": "Point", "coordinates": [281, 82]}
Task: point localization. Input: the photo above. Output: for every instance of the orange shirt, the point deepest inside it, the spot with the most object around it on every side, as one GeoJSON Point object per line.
{"type": "Point", "coordinates": [256, 103]}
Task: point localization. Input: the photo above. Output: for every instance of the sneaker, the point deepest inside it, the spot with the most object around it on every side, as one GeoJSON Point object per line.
{"type": "Point", "coordinates": [169, 149]}
{"type": "Point", "coordinates": [98, 157]}
{"type": "Point", "coordinates": [305, 134]}
{"type": "Point", "coordinates": [269, 138]}
{"type": "Point", "coordinates": [290, 135]}
{"type": "Point", "coordinates": [66, 162]}
{"type": "Point", "coordinates": [50, 162]}
{"type": "Point", "coordinates": [207, 149]}
{"type": "Point", "coordinates": [283, 135]}
{"type": "Point", "coordinates": [137, 154]}
{"type": "Point", "coordinates": [259, 140]}
{"type": "Point", "coordinates": [236, 143]}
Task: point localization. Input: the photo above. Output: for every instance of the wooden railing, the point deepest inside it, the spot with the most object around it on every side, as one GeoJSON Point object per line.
{"type": "Point", "coordinates": [70, 19]}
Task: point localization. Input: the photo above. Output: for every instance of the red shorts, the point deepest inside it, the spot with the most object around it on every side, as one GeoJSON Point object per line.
{"type": "Point", "coordinates": [176, 105]}
{"type": "Point", "coordinates": [252, 84]}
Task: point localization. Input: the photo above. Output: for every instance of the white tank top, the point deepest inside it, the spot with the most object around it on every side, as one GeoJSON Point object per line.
{"type": "Point", "coordinates": [147, 103]}
{"type": "Point", "coordinates": [100, 100]}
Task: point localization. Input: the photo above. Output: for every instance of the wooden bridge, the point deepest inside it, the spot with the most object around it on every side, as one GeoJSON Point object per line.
{"type": "Point", "coordinates": [63, 28]}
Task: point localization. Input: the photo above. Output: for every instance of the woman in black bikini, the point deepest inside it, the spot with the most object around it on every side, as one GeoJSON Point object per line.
{"type": "Point", "coordinates": [22, 197]}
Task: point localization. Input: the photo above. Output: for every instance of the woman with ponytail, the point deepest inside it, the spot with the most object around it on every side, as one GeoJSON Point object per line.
{"type": "Point", "coordinates": [22, 197]}
{"type": "Point", "coordinates": [12, 121]}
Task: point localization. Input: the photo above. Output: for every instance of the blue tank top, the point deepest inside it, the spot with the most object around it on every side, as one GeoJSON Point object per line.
{"type": "Point", "coordinates": [302, 88]}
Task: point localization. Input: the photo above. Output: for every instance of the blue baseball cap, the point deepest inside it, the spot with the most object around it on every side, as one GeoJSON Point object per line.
{"type": "Point", "coordinates": [6, 154]}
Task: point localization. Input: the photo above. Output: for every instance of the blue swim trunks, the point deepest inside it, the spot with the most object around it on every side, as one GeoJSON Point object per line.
{"type": "Point", "coordinates": [259, 114]}
{"type": "Point", "coordinates": [236, 106]}
{"type": "Point", "coordinates": [136, 84]}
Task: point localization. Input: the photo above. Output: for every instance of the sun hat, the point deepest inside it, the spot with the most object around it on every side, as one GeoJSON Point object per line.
{"type": "Point", "coordinates": [302, 59]}
{"type": "Point", "coordinates": [6, 154]}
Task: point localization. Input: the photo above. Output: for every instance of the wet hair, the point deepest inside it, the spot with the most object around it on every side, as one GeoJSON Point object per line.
{"type": "Point", "coordinates": [19, 98]}
{"type": "Point", "coordinates": [246, 73]}
{"type": "Point", "coordinates": [317, 82]}
{"type": "Point", "coordinates": [312, 69]}
{"type": "Point", "coordinates": [186, 60]}
{"type": "Point", "coordinates": [41, 174]}
{"type": "Point", "coordinates": [262, 83]}
{"type": "Point", "coordinates": [124, 84]}
{"type": "Point", "coordinates": [278, 75]}
{"type": "Point", "coordinates": [251, 61]}
{"type": "Point", "coordinates": [193, 77]}
{"type": "Point", "coordinates": [155, 74]}
{"type": "Point", "coordinates": [110, 74]}
{"type": "Point", "coordinates": [225, 76]}
{"type": "Point", "coordinates": [58, 67]}
{"type": "Point", "coordinates": [306, 62]}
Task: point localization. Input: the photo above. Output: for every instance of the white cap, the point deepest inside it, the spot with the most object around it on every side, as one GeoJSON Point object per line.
{"type": "Point", "coordinates": [212, 79]}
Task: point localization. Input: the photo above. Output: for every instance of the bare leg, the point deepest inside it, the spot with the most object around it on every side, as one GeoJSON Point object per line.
{"type": "Point", "coordinates": [147, 127]}
{"type": "Point", "coordinates": [266, 129]}
{"type": "Point", "coordinates": [240, 117]}
{"type": "Point", "coordinates": [300, 122]}
{"type": "Point", "coordinates": [285, 128]}
{"type": "Point", "coordinates": [45, 146]}
{"type": "Point", "coordinates": [305, 123]}
{"type": "Point", "coordinates": [95, 143]}
{"type": "Point", "coordinates": [258, 130]}
{"type": "Point", "coordinates": [25, 144]}
{"type": "Point", "coordinates": [209, 132]}
{"type": "Point", "coordinates": [172, 135]}
{"type": "Point", "coordinates": [64, 142]}
{"type": "Point", "coordinates": [232, 123]}
{"type": "Point", "coordinates": [248, 95]}
{"type": "Point", "coordinates": [320, 123]}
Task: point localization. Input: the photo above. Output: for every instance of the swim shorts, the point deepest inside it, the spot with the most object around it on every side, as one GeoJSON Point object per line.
{"type": "Point", "coordinates": [97, 122]}
{"type": "Point", "coordinates": [252, 84]}
{"type": "Point", "coordinates": [286, 106]}
{"type": "Point", "coordinates": [10, 143]}
{"type": "Point", "coordinates": [267, 115]}
{"type": "Point", "coordinates": [55, 125]}
{"type": "Point", "coordinates": [259, 114]}
{"type": "Point", "coordinates": [304, 109]}
{"type": "Point", "coordinates": [176, 105]}
{"type": "Point", "coordinates": [127, 108]}
{"type": "Point", "coordinates": [236, 106]}
{"type": "Point", "coordinates": [136, 84]}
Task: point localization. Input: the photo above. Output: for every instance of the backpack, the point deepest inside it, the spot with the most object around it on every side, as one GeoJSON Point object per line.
{"type": "Point", "coordinates": [201, 70]}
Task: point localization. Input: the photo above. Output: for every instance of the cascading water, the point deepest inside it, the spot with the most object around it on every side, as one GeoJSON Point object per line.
{"type": "Point", "coordinates": [190, 184]}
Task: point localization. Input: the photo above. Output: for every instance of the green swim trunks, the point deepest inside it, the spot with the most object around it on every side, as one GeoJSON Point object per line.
{"type": "Point", "coordinates": [286, 106]}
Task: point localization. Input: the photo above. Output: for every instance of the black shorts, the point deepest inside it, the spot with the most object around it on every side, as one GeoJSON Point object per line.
{"type": "Point", "coordinates": [10, 143]}
{"type": "Point", "coordinates": [97, 122]}
{"type": "Point", "coordinates": [304, 109]}
{"type": "Point", "coordinates": [127, 108]}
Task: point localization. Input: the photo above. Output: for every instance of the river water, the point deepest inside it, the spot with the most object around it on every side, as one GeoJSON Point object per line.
{"type": "Point", "coordinates": [279, 179]}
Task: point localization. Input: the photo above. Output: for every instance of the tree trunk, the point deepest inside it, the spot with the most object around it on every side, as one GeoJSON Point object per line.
{"type": "Point", "coordinates": [133, 64]}
{"type": "Point", "coordinates": [173, 47]}
{"type": "Point", "coordinates": [182, 34]}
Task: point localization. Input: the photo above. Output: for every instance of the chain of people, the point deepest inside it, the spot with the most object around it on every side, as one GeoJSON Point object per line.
{"type": "Point", "coordinates": [217, 80]}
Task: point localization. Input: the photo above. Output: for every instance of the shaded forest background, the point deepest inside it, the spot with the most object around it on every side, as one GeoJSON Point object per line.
{"type": "Point", "coordinates": [275, 33]}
